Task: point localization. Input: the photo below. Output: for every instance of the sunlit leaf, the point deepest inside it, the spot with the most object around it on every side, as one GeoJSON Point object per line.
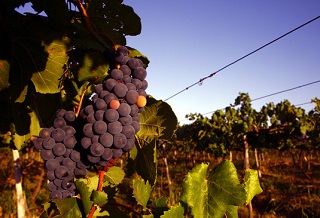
{"type": "Point", "coordinates": [174, 212]}
{"type": "Point", "coordinates": [99, 197]}
{"type": "Point", "coordinates": [252, 185]}
{"type": "Point", "coordinates": [85, 188]}
{"type": "Point", "coordinates": [47, 80]}
{"type": "Point", "coordinates": [113, 176]}
{"type": "Point", "coordinates": [93, 67]}
{"type": "Point", "coordinates": [158, 121]}
{"type": "Point", "coordinates": [141, 191]}
{"type": "Point", "coordinates": [196, 183]}
{"type": "Point", "coordinates": [220, 193]}
{"type": "Point", "coordinates": [68, 208]}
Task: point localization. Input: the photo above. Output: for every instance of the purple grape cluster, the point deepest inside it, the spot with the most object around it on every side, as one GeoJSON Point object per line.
{"type": "Point", "coordinates": [112, 120]}
{"type": "Point", "coordinates": [62, 160]}
{"type": "Point", "coordinates": [104, 130]}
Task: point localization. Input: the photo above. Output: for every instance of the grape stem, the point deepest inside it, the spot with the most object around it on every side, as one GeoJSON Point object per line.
{"type": "Point", "coordinates": [93, 209]}
{"type": "Point", "coordinates": [78, 108]}
{"type": "Point", "coordinates": [84, 14]}
{"type": "Point", "coordinates": [100, 183]}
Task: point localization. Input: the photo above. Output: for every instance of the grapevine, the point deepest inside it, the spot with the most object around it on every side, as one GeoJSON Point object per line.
{"type": "Point", "coordinates": [68, 90]}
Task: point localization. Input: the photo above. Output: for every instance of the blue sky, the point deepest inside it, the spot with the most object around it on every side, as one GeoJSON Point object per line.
{"type": "Point", "coordinates": [188, 40]}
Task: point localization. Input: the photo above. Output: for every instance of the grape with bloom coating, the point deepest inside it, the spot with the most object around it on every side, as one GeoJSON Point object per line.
{"type": "Point", "coordinates": [120, 90]}
{"type": "Point", "coordinates": [140, 73]}
{"type": "Point", "coordinates": [114, 127]}
{"type": "Point", "coordinates": [124, 109]}
{"type": "Point", "coordinates": [100, 127]}
{"type": "Point", "coordinates": [132, 96]}
{"type": "Point", "coordinates": [111, 115]}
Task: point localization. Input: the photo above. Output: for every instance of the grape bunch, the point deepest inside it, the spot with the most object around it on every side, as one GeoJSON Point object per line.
{"type": "Point", "coordinates": [112, 119]}
{"type": "Point", "coordinates": [62, 159]}
{"type": "Point", "coordinates": [104, 130]}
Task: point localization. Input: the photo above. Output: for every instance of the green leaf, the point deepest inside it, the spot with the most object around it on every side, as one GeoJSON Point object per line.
{"type": "Point", "coordinates": [221, 193]}
{"type": "Point", "coordinates": [93, 67]}
{"type": "Point", "coordinates": [85, 188]}
{"type": "Point", "coordinates": [224, 189]}
{"type": "Point", "coordinates": [131, 21]}
{"type": "Point", "coordinates": [4, 74]}
{"type": "Point", "coordinates": [101, 213]}
{"type": "Point", "coordinates": [23, 95]}
{"type": "Point", "coordinates": [232, 211]}
{"type": "Point", "coordinates": [196, 183]}
{"type": "Point", "coordinates": [114, 24]}
{"type": "Point", "coordinates": [133, 153]}
{"type": "Point", "coordinates": [47, 81]}
{"type": "Point", "coordinates": [252, 185]}
{"type": "Point", "coordinates": [145, 162]}
{"type": "Point", "coordinates": [39, 54]}
{"type": "Point", "coordinates": [174, 212]}
{"type": "Point", "coordinates": [68, 208]}
{"type": "Point", "coordinates": [158, 121]}
{"type": "Point", "coordinates": [99, 197]}
{"type": "Point", "coordinates": [113, 176]}
{"type": "Point", "coordinates": [141, 191]}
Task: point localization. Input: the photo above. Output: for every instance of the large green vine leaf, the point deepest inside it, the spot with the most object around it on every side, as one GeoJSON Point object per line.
{"type": "Point", "coordinates": [145, 161]}
{"type": "Point", "coordinates": [158, 121]}
{"type": "Point", "coordinates": [221, 192]}
{"type": "Point", "coordinates": [224, 189]}
{"type": "Point", "coordinates": [196, 183]}
{"type": "Point", "coordinates": [114, 20]}
{"type": "Point", "coordinates": [47, 80]}
{"type": "Point", "coordinates": [39, 54]}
